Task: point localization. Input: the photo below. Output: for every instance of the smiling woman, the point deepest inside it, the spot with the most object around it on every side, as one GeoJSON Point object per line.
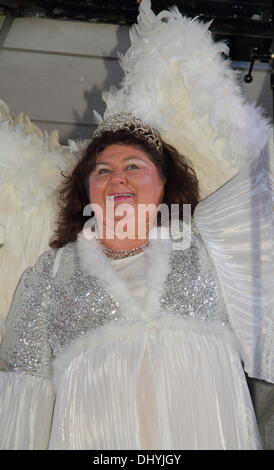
{"type": "Point", "coordinates": [136, 343]}
{"type": "Point", "coordinates": [119, 161]}
{"type": "Point", "coordinates": [140, 327]}
{"type": "Point", "coordinates": [125, 173]}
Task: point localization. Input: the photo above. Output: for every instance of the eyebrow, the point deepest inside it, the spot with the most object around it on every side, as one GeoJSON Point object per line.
{"type": "Point", "coordinates": [124, 160]}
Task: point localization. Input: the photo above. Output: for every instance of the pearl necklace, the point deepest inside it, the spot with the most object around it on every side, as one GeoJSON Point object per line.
{"type": "Point", "coordinates": [118, 254]}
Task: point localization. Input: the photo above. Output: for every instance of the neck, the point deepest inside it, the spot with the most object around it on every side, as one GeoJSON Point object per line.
{"type": "Point", "coordinates": [126, 244]}
{"type": "Point", "coordinates": [117, 239]}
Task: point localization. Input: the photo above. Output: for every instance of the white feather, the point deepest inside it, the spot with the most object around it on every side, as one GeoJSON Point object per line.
{"type": "Point", "coordinates": [177, 80]}
{"type": "Point", "coordinates": [30, 172]}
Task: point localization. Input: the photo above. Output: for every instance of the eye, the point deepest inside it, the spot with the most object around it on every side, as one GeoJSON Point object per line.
{"type": "Point", "coordinates": [132, 166]}
{"type": "Point", "coordinates": [103, 170]}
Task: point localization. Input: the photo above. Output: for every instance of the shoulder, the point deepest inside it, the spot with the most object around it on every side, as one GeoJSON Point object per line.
{"type": "Point", "coordinates": [185, 236]}
{"type": "Point", "coordinates": [190, 253]}
{"type": "Point", "coordinates": [43, 265]}
{"type": "Point", "coordinates": [50, 260]}
{"type": "Point", "coordinates": [46, 259]}
{"type": "Point", "coordinates": [42, 272]}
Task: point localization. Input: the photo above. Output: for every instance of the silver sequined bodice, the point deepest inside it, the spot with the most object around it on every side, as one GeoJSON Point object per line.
{"type": "Point", "coordinates": [50, 311]}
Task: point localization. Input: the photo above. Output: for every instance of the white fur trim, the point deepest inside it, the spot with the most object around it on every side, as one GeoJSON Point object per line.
{"type": "Point", "coordinates": [94, 262]}
{"type": "Point", "coordinates": [158, 270]}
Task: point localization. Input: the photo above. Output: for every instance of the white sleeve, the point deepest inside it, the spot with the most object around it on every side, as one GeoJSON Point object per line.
{"type": "Point", "coordinates": [26, 405]}
{"type": "Point", "coordinates": [26, 394]}
{"type": "Point", "coordinates": [237, 225]}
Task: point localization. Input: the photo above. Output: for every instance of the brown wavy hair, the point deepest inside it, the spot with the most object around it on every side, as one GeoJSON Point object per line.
{"type": "Point", "coordinates": [181, 185]}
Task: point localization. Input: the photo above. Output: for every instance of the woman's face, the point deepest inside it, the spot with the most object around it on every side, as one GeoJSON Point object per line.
{"type": "Point", "coordinates": [125, 174]}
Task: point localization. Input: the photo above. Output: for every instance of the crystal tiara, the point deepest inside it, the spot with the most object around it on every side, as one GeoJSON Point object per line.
{"type": "Point", "coordinates": [132, 124]}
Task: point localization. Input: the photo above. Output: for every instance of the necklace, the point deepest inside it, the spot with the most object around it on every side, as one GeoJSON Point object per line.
{"type": "Point", "coordinates": [117, 254]}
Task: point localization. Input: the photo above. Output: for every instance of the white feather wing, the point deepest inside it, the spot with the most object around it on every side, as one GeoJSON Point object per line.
{"type": "Point", "coordinates": [176, 79]}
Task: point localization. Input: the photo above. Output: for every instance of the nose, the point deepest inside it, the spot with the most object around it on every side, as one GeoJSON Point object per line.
{"type": "Point", "coordinates": [118, 175]}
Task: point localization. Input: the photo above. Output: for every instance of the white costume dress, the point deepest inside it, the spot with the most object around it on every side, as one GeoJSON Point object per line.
{"type": "Point", "coordinates": [146, 352]}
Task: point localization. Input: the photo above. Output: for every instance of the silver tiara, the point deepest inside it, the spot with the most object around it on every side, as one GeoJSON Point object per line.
{"type": "Point", "coordinates": [132, 124]}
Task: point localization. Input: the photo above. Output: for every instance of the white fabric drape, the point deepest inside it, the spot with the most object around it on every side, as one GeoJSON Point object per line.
{"type": "Point", "coordinates": [237, 225]}
{"type": "Point", "coordinates": [26, 405]}
{"type": "Point", "coordinates": [168, 384]}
